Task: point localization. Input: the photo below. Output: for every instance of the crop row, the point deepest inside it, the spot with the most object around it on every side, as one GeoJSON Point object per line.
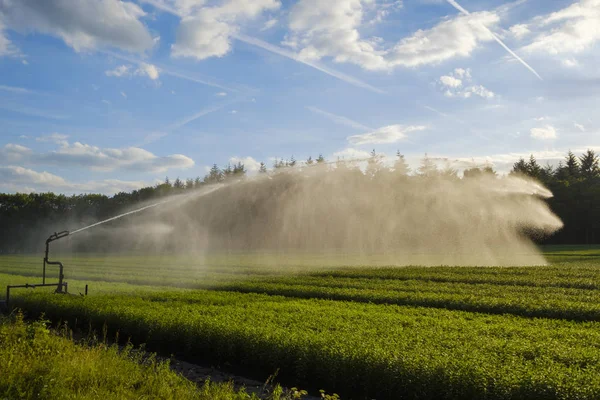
{"type": "Point", "coordinates": [550, 302]}
{"type": "Point", "coordinates": [357, 349]}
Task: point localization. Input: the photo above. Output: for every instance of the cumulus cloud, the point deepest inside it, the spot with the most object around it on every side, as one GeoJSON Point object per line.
{"type": "Point", "coordinates": [19, 179]}
{"type": "Point", "coordinates": [454, 37]}
{"type": "Point", "coordinates": [148, 70]}
{"type": "Point", "coordinates": [519, 31]}
{"type": "Point", "coordinates": [144, 69]}
{"type": "Point", "coordinates": [573, 29]}
{"type": "Point", "coordinates": [386, 134]}
{"type": "Point", "coordinates": [450, 81]}
{"type": "Point", "coordinates": [250, 163]}
{"type": "Point", "coordinates": [95, 158]}
{"type": "Point", "coordinates": [458, 84]}
{"type": "Point", "coordinates": [544, 133]}
{"type": "Point", "coordinates": [82, 24]}
{"type": "Point", "coordinates": [330, 29]}
{"type": "Point", "coordinates": [206, 31]}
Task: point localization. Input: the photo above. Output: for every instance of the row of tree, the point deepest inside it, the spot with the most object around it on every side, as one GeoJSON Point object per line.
{"type": "Point", "coordinates": [27, 219]}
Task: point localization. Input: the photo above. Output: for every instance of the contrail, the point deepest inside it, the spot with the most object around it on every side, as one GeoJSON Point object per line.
{"type": "Point", "coordinates": [454, 4]}
{"type": "Point", "coordinates": [291, 55]}
{"type": "Point", "coordinates": [338, 119]}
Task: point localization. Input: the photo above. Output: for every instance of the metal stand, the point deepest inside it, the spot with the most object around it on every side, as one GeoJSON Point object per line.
{"type": "Point", "coordinates": [61, 286]}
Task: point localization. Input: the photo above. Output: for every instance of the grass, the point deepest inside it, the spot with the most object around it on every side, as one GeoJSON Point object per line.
{"type": "Point", "coordinates": [36, 363]}
{"type": "Point", "coordinates": [444, 333]}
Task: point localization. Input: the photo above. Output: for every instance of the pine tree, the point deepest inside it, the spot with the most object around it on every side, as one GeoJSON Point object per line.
{"type": "Point", "coordinates": [520, 167]}
{"type": "Point", "coordinates": [572, 165]}
{"type": "Point", "coordinates": [533, 168]}
{"type": "Point", "coordinates": [178, 184]}
{"type": "Point", "coordinates": [214, 175]}
{"type": "Point", "coordinates": [189, 183]}
{"type": "Point", "coordinates": [239, 169]}
{"type": "Point", "coordinates": [320, 159]}
{"type": "Point", "coordinates": [309, 161]}
{"type": "Point", "coordinates": [401, 166]}
{"type": "Point", "coordinates": [427, 167]}
{"type": "Point", "coordinates": [292, 162]}
{"type": "Point", "coordinates": [589, 165]}
{"type": "Point", "coordinates": [263, 168]}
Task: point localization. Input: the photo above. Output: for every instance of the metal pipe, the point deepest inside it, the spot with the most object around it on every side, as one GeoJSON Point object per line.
{"type": "Point", "coordinates": [51, 238]}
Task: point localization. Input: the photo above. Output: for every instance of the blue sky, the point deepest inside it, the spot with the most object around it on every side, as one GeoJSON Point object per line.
{"type": "Point", "coordinates": [108, 95]}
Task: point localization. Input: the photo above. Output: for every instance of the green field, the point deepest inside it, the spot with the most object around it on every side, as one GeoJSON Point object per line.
{"type": "Point", "coordinates": [385, 333]}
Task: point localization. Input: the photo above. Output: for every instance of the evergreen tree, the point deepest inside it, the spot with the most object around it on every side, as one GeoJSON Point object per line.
{"type": "Point", "coordinates": [427, 168]}
{"type": "Point", "coordinates": [320, 159]}
{"type": "Point", "coordinates": [214, 175]}
{"type": "Point", "coordinates": [401, 166]}
{"type": "Point", "coordinates": [263, 168]}
{"type": "Point", "coordinates": [589, 165]}
{"type": "Point", "coordinates": [292, 162]}
{"type": "Point", "coordinates": [309, 161]}
{"type": "Point", "coordinates": [197, 182]}
{"type": "Point", "coordinates": [520, 167]}
{"type": "Point", "coordinates": [178, 184]}
{"type": "Point", "coordinates": [572, 165]}
{"type": "Point", "coordinates": [189, 183]}
{"type": "Point", "coordinates": [239, 169]}
{"type": "Point", "coordinates": [533, 168]}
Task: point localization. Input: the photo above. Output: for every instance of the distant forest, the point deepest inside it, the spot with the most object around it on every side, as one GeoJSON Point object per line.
{"type": "Point", "coordinates": [27, 219]}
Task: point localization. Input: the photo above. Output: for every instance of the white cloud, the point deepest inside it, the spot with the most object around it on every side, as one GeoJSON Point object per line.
{"type": "Point", "coordinates": [478, 90]}
{"type": "Point", "coordinates": [19, 179]}
{"type": "Point", "coordinates": [573, 29]}
{"type": "Point", "coordinates": [94, 158]}
{"type": "Point", "coordinates": [124, 94]}
{"type": "Point", "coordinates": [120, 71]}
{"type": "Point", "coordinates": [57, 138]}
{"type": "Point", "coordinates": [386, 134]}
{"type": "Point", "coordinates": [144, 69]}
{"type": "Point", "coordinates": [454, 37]}
{"type": "Point", "coordinates": [148, 70]}
{"type": "Point", "coordinates": [250, 163]}
{"type": "Point", "coordinates": [450, 81]}
{"type": "Point", "coordinates": [6, 46]}
{"type": "Point", "coordinates": [221, 94]}
{"type": "Point", "coordinates": [570, 63]}
{"type": "Point", "coordinates": [82, 24]}
{"type": "Point", "coordinates": [330, 29]}
{"type": "Point", "coordinates": [269, 24]}
{"type": "Point", "coordinates": [24, 62]}
{"type": "Point", "coordinates": [579, 126]}
{"type": "Point", "coordinates": [544, 133]}
{"type": "Point", "coordinates": [207, 32]}
{"type": "Point", "coordinates": [519, 31]}
{"type": "Point", "coordinates": [453, 85]}
{"type": "Point", "coordinates": [233, 112]}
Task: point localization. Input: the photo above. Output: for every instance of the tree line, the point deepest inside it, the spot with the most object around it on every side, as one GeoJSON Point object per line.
{"type": "Point", "coordinates": [27, 219]}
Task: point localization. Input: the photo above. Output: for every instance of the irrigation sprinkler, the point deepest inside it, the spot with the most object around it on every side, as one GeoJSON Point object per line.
{"type": "Point", "coordinates": [62, 287]}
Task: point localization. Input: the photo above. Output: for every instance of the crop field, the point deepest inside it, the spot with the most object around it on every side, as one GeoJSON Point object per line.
{"type": "Point", "coordinates": [362, 332]}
